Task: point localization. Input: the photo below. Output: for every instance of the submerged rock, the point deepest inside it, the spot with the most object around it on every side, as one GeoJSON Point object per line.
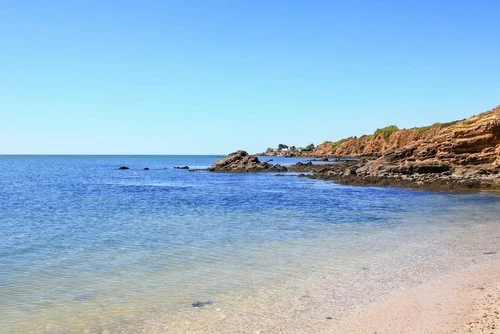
{"type": "Point", "coordinates": [183, 167]}
{"type": "Point", "coordinates": [123, 168]}
{"type": "Point", "coordinates": [241, 161]}
{"type": "Point", "coordinates": [201, 304]}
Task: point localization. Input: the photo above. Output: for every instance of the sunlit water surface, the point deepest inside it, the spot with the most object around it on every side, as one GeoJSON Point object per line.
{"type": "Point", "coordinates": [85, 247]}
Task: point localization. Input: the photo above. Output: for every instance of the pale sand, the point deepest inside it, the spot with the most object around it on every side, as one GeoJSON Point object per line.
{"type": "Point", "coordinates": [467, 301]}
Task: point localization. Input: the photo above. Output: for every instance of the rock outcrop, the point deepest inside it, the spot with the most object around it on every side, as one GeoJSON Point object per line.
{"type": "Point", "coordinates": [376, 145]}
{"type": "Point", "coordinates": [471, 146]}
{"type": "Point", "coordinates": [457, 156]}
{"type": "Point", "coordinates": [241, 161]}
{"type": "Point", "coordinates": [463, 155]}
{"type": "Point", "coordinates": [470, 136]}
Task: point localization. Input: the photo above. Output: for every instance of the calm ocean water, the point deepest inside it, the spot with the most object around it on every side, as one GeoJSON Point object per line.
{"type": "Point", "coordinates": [85, 247]}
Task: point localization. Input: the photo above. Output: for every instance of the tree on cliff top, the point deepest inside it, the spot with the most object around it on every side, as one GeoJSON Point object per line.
{"type": "Point", "coordinates": [309, 147]}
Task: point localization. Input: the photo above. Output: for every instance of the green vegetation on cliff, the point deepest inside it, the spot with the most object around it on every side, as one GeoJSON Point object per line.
{"type": "Point", "coordinates": [386, 132]}
{"type": "Point", "coordinates": [391, 137]}
{"type": "Point", "coordinates": [423, 129]}
{"type": "Point", "coordinates": [336, 144]}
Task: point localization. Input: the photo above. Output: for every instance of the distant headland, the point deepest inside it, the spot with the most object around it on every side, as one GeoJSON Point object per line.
{"type": "Point", "coordinates": [463, 155]}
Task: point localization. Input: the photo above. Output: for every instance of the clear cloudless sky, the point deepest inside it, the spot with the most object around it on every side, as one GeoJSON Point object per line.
{"type": "Point", "coordinates": [211, 77]}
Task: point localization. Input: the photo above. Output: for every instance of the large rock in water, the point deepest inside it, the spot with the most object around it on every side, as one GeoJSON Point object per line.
{"type": "Point", "coordinates": [241, 161]}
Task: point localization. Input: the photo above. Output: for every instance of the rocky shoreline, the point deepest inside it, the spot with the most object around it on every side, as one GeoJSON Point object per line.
{"type": "Point", "coordinates": [357, 173]}
{"type": "Point", "coordinates": [461, 156]}
{"type": "Point", "coordinates": [368, 172]}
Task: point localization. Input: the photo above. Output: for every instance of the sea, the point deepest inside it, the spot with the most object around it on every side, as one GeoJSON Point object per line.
{"type": "Point", "coordinates": [86, 247]}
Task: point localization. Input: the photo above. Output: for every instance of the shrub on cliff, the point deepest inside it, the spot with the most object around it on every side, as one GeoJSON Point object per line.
{"type": "Point", "coordinates": [386, 132]}
{"type": "Point", "coordinates": [423, 129]}
{"type": "Point", "coordinates": [336, 144]}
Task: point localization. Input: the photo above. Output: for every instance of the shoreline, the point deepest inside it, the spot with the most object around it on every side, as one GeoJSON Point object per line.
{"type": "Point", "coordinates": [462, 301]}
{"type": "Point", "coordinates": [348, 173]}
{"type": "Point", "coordinates": [456, 291]}
{"type": "Point", "coordinates": [408, 173]}
{"type": "Point", "coordinates": [462, 297]}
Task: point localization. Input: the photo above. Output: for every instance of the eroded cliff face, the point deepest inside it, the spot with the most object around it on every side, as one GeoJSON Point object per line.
{"type": "Point", "coordinates": [371, 145]}
{"type": "Point", "coordinates": [471, 142]}
{"type": "Point", "coordinates": [470, 147]}
{"type": "Point", "coordinates": [460, 156]}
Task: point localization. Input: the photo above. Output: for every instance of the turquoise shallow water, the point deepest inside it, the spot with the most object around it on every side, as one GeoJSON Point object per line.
{"type": "Point", "coordinates": [87, 247]}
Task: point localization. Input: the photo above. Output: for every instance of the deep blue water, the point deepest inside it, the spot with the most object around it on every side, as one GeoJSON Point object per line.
{"type": "Point", "coordinates": [78, 234]}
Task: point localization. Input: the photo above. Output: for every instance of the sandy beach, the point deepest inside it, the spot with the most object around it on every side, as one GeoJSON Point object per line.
{"type": "Point", "coordinates": [466, 301]}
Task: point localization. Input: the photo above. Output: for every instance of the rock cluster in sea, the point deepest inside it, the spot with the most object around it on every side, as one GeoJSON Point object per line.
{"type": "Point", "coordinates": [241, 161]}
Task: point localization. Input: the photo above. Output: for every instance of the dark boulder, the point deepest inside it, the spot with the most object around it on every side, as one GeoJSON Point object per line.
{"type": "Point", "coordinates": [241, 161]}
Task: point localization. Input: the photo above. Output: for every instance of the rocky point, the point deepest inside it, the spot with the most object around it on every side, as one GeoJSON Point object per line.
{"type": "Point", "coordinates": [241, 161]}
{"type": "Point", "coordinates": [457, 156]}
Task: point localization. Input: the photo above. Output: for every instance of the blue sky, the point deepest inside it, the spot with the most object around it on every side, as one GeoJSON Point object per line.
{"type": "Point", "coordinates": [211, 77]}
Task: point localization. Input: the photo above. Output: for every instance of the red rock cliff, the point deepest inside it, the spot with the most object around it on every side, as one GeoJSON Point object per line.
{"type": "Point", "coordinates": [475, 140]}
